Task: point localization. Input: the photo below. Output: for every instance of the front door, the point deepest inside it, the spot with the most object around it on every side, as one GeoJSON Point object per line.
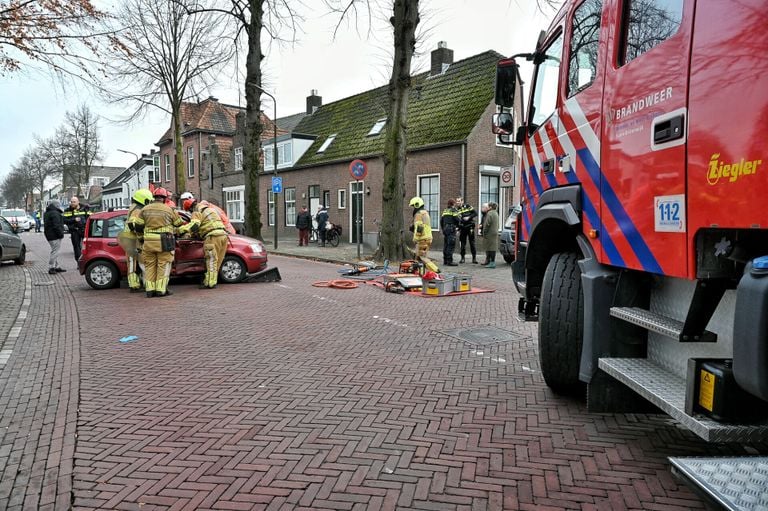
{"type": "Point", "coordinates": [356, 211]}
{"type": "Point", "coordinates": [643, 151]}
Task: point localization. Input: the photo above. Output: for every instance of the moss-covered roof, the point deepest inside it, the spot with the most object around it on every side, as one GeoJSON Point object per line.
{"type": "Point", "coordinates": [441, 109]}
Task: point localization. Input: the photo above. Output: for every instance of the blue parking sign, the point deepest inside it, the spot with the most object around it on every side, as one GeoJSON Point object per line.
{"type": "Point", "coordinates": [277, 185]}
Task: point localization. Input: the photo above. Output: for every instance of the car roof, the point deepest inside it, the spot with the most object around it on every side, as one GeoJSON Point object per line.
{"type": "Point", "coordinates": [108, 214]}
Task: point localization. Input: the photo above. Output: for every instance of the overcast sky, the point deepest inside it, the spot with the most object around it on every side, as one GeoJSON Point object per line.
{"type": "Point", "coordinates": [356, 61]}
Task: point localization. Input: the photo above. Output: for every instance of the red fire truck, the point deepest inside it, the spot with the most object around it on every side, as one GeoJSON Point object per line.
{"type": "Point", "coordinates": [642, 241]}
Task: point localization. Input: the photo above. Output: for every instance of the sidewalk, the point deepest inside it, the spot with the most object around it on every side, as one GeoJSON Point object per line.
{"type": "Point", "coordinates": [346, 253]}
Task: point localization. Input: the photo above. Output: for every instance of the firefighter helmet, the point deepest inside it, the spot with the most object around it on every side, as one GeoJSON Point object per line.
{"type": "Point", "coordinates": [416, 202]}
{"type": "Point", "coordinates": [142, 196]}
{"type": "Point", "coordinates": [161, 193]}
{"type": "Point", "coordinates": [185, 196]}
{"type": "Point", "coordinates": [188, 203]}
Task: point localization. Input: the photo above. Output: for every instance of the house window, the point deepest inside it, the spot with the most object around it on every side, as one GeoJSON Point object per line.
{"type": "Point", "coordinates": [489, 189]}
{"type": "Point", "coordinates": [326, 144]}
{"type": "Point", "coordinates": [648, 23]}
{"type": "Point", "coordinates": [290, 206]}
{"type": "Point", "coordinates": [377, 127]}
{"type": "Point", "coordinates": [154, 175]}
{"type": "Point", "coordinates": [233, 198]}
{"type": "Point", "coordinates": [327, 198]}
{"type": "Point", "coordinates": [285, 154]}
{"type": "Point", "coordinates": [167, 168]}
{"type": "Point", "coordinates": [191, 160]}
{"type": "Point", "coordinates": [429, 191]}
{"type": "Point", "coordinates": [582, 67]}
{"type": "Point", "coordinates": [270, 208]}
{"type": "Point", "coordinates": [342, 199]}
{"type": "Point", "coordinates": [238, 158]}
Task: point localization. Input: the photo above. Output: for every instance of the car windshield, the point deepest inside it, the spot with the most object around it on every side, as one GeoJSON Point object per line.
{"type": "Point", "coordinates": [510, 221]}
{"type": "Point", "coordinates": [12, 213]}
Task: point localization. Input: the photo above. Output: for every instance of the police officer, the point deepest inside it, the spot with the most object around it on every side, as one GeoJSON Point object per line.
{"type": "Point", "coordinates": [449, 224]}
{"type": "Point", "coordinates": [157, 221]}
{"type": "Point", "coordinates": [75, 217]}
{"type": "Point", "coordinates": [207, 223]}
{"type": "Point", "coordinates": [132, 241]}
{"type": "Point", "coordinates": [467, 219]}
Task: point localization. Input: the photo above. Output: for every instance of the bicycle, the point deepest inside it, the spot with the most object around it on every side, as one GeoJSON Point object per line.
{"type": "Point", "coordinates": [333, 235]}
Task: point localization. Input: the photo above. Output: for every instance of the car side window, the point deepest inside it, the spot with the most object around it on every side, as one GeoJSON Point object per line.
{"type": "Point", "coordinates": [582, 65]}
{"type": "Point", "coordinates": [115, 226]}
{"type": "Point", "coordinates": [4, 225]}
{"type": "Point", "coordinates": [646, 24]}
{"type": "Point", "coordinates": [97, 228]}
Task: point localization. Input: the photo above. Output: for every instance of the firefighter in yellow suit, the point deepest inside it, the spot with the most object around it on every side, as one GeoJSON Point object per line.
{"type": "Point", "coordinates": [156, 221]}
{"type": "Point", "coordinates": [422, 227]}
{"type": "Point", "coordinates": [131, 242]}
{"type": "Point", "coordinates": [208, 225]}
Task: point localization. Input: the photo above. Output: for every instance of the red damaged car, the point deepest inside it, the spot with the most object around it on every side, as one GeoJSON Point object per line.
{"type": "Point", "coordinates": [103, 262]}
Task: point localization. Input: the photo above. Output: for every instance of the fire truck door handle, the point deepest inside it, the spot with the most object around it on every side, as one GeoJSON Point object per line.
{"type": "Point", "coordinates": [547, 166]}
{"type": "Point", "coordinates": [113, 243]}
{"type": "Point", "coordinates": [669, 129]}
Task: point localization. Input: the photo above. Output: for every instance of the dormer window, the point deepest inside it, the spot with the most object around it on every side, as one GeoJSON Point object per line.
{"type": "Point", "coordinates": [327, 143]}
{"type": "Point", "coordinates": [377, 127]}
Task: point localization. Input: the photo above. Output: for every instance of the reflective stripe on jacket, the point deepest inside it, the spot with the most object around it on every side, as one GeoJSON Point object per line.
{"type": "Point", "coordinates": [422, 226]}
{"type": "Point", "coordinates": [157, 218]}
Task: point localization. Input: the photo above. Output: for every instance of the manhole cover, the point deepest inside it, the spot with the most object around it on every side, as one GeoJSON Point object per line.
{"type": "Point", "coordinates": [485, 335]}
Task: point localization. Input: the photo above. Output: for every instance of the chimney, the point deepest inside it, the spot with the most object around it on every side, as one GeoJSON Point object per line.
{"type": "Point", "coordinates": [313, 102]}
{"type": "Point", "coordinates": [442, 57]}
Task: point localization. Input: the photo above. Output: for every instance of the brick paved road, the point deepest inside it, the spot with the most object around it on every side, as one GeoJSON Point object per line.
{"type": "Point", "coordinates": [286, 396]}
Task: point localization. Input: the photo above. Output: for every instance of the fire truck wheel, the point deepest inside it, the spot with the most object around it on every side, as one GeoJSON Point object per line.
{"type": "Point", "coordinates": [561, 321]}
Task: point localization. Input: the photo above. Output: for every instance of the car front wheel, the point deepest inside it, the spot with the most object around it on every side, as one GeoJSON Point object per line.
{"type": "Point", "coordinates": [22, 256]}
{"type": "Point", "coordinates": [233, 270]}
{"type": "Point", "coordinates": [102, 275]}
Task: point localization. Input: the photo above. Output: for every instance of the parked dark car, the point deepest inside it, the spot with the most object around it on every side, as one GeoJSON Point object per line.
{"type": "Point", "coordinates": [103, 261]}
{"type": "Point", "coordinates": [507, 237]}
{"type": "Point", "coordinates": [12, 248]}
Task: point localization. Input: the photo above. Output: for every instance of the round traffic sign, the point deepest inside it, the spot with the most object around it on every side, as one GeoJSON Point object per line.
{"type": "Point", "coordinates": [358, 169]}
{"type": "Point", "coordinates": [507, 177]}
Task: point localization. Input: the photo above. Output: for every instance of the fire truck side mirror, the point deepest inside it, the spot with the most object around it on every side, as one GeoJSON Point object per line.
{"type": "Point", "coordinates": [503, 125]}
{"type": "Point", "coordinates": [506, 83]}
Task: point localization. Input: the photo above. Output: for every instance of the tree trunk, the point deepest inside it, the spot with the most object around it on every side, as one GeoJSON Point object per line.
{"type": "Point", "coordinates": [393, 235]}
{"type": "Point", "coordinates": [181, 179]}
{"type": "Point", "coordinates": [253, 126]}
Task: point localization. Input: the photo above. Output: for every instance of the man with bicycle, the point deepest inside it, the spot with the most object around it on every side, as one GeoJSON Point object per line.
{"type": "Point", "coordinates": [322, 220]}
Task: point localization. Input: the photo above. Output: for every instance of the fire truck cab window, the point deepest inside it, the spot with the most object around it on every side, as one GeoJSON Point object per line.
{"type": "Point", "coordinates": [646, 24]}
{"type": "Point", "coordinates": [582, 65]}
{"type": "Point", "coordinates": [547, 74]}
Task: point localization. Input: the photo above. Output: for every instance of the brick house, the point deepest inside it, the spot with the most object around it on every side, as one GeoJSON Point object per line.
{"type": "Point", "coordinates": [451, 150]}
{"type": "Point", "coordinates": [208, 130]}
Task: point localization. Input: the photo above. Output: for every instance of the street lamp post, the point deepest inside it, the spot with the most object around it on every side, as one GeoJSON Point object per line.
{"type": "Point", "coordinates": [130, 192]}
{"type": "Point", "coordinates": [274, 152]}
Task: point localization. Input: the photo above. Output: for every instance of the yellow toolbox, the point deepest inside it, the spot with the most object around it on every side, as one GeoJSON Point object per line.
{"type": "Point", "coordinates": [437, 287]}
{"type": "Point", "coordinates": [462, 283]}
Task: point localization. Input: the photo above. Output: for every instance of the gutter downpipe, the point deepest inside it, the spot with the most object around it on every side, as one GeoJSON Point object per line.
{"type": "Point", "coordinates": [463, 169]}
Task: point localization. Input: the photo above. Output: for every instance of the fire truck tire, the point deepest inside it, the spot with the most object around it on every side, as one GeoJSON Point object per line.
{"type": "Point", "coordinates": [561, 322]}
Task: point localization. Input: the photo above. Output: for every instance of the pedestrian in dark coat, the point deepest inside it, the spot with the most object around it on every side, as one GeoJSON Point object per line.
{"type": "Point", "coordinates": [53, 227]}
{"type": "Point", "coordinates": [304, 224]}
{"type": "Point", "coordinates": [491, 235]}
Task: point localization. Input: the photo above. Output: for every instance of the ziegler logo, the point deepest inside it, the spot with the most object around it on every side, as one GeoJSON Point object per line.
{"type": "Point", "coordinates": [729, 171]}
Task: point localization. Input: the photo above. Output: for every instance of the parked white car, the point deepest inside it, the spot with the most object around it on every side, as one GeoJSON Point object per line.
{"type": "Point", "coordinates": [18, 218]}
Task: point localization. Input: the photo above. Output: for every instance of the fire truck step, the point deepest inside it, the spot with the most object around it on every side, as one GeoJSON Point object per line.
{"type": "Point", "coordinates": [667, 391]}
{"type": "Point", "coordinates": [733, 483]}
{"type": "Point", "coordinates": [657, 323]}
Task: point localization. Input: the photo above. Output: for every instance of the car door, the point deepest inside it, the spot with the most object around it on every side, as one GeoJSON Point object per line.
{"type": "Point", "coordinates": [10, 242]}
